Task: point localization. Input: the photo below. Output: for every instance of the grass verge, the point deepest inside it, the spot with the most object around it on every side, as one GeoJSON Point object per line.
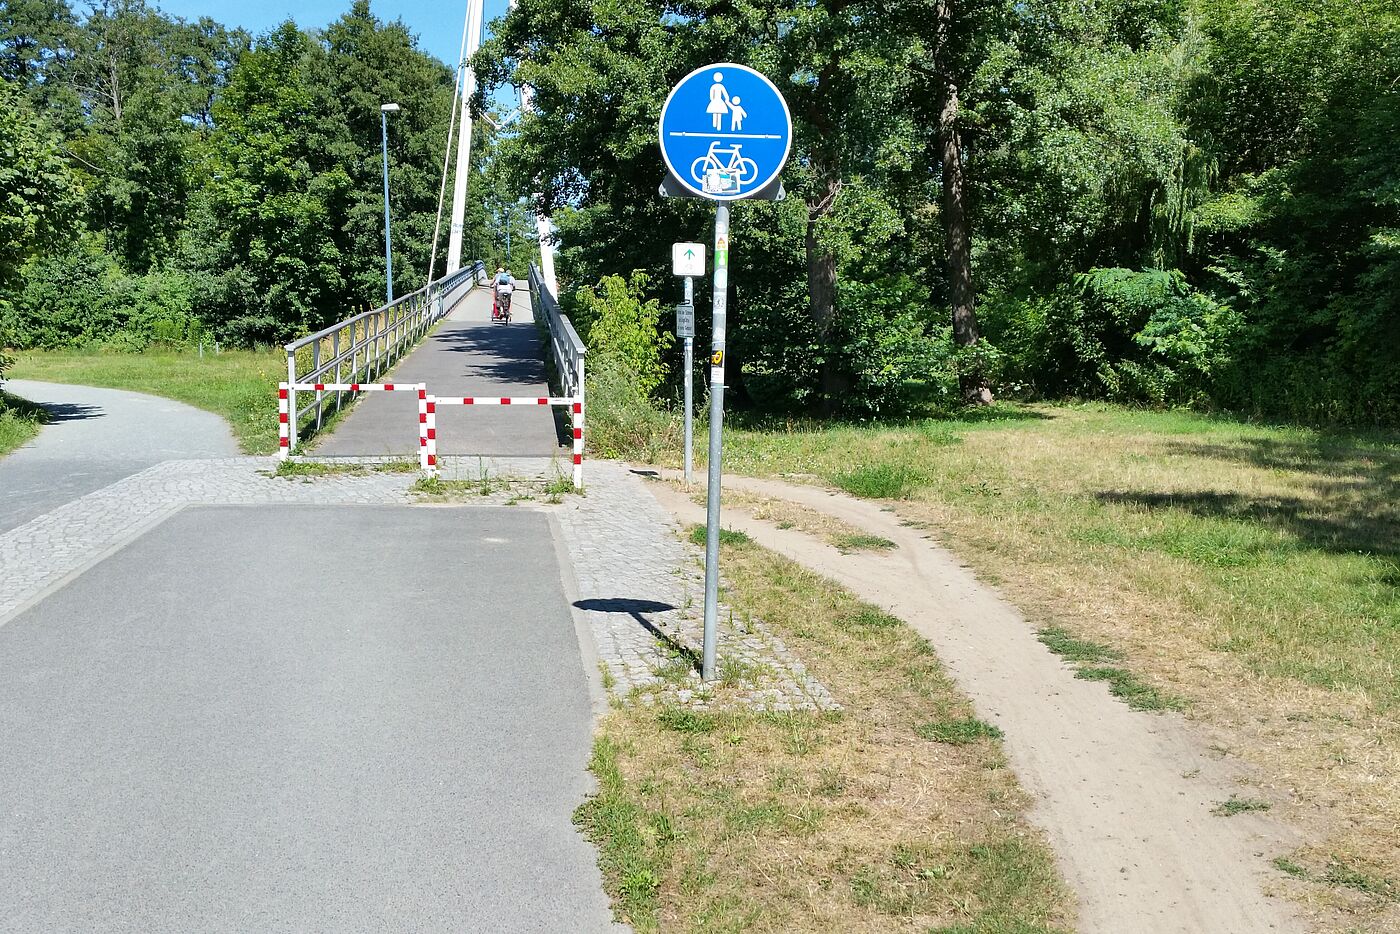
{"type": "Point", "coordinates": [1250, 573]}
{"type": "Point", "coordinates": [240, 385]}
{"type": "Point", "coordinates": [20, 420]}
{"type": "Point", "coordinates": [896, 813]}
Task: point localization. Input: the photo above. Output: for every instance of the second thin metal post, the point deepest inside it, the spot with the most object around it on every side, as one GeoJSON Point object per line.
{"type": "Point", "coordinates": [689, 388]}
{"type": "Point", "coordinates": [720, 306]}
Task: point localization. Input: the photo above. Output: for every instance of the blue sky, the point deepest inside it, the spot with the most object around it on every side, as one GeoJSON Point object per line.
{"type": "Point", "coordinates": [437, 23]}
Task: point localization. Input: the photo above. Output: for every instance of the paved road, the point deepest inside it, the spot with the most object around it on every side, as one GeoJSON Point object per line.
{"type": "Point", "coordinates": [467, 355]}
{"type": "Point", "coordinates": [95, 438]}
{"type": "Point", "coordinates": [195, 738]}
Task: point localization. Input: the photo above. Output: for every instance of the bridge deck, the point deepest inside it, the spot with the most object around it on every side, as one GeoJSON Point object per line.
{"type": "Point", "coordinates": [467, 355]}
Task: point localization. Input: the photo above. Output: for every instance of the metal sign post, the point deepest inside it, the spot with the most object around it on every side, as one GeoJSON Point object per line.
{"type": "Point", "coordinates": [688, 261]}
{"type": "Point", "coordinates": [685, 329]}
{"type": "Point", "coordinates": [725, 135]}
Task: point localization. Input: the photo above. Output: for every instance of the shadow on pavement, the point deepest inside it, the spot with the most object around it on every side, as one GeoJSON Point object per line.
{"type": "Point", "coordinates": [638, 609]}
{"type": "Point", "coordinates": [70, 411]}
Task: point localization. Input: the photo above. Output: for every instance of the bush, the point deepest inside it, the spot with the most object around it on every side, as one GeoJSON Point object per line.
{"type": "Point", "coordinates": [82, 297]}
{"type": "Point", "coordinates": [622, 421]}
{"type": "Point", "coordinates": [895, 358]}
{"type": "Point", "coordinates": [622, 329]}
{"type": "Point", "coordinates": [1123, 334]}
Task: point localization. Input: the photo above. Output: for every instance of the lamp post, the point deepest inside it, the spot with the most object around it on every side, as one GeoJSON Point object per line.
{"type": "Point", "coordinates": [384, 111]}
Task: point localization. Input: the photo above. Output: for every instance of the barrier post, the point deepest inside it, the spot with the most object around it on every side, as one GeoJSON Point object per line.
{"type": "Point", "coordinates": [427, 431]}
{"type": "Point", "coordinates": [578, 445]}
{"type": "Point", "coordinates": [291, 400]}
{"type": "Point", "coordinates": [283, 423]}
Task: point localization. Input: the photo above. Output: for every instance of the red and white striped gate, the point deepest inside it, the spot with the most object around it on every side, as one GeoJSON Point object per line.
{"type": "Point", "coordinates": [427, 421]}
{"type": "Point", "coordinates": [427, 415]}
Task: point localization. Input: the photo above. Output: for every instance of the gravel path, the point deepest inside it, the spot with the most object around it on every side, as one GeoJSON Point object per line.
{"type": "Point", "coordinates": [1125, 797]}
{"type": "Point", "coordinates": [95, 438]}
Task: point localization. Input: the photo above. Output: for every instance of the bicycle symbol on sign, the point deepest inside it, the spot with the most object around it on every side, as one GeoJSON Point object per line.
{"type": "Point", "coordinates": [716, 176]}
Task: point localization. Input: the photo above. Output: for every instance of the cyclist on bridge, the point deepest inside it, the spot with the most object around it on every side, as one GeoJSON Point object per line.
{"type": "Point", "coordinates": [504, 287]}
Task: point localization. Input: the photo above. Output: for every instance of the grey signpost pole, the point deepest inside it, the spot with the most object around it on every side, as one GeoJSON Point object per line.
{"type": "Point", "coordinates": [689, 386]}
{"type": "Point", "coordinates": [720, 310]}
{"type": "Point", "coordinates": [706, 159]}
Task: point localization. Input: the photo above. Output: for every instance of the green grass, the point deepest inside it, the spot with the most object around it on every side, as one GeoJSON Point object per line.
{"type": "Point", "coordinates": [1237, 805]}
{"type": "Point", "coordinates": [240, 385]}
{"type": "Point", "coordinates": [698, 536]}
{"type": "Point", "coordinates": [628, 856]}
{"type": "Point", "coordinates": [1128, 687]}
{"type": "Point", "coordinates": [20, 420]}
{"type": "Point", "coordinates": [1250, 572]}
{"type": "Point", "coordinates": [729, 819]}
{"type": "Point", "coordinates": [859, 541]}
{"type": "Point", "coordinates": [298, 469]}
{"type": "Point", "coordinates": [1122, 683]}
{"type": "Point", "coordinates": [959, 731]}
{"type": "Point", "coordinates": [1076, 650]}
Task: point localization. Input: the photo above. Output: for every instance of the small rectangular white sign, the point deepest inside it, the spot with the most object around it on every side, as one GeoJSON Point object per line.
{"type": "Point", "coordinates": [688, 259]}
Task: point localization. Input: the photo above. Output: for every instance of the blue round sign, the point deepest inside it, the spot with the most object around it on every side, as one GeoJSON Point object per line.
{"type": "Point", "coordinates": [725, 132]}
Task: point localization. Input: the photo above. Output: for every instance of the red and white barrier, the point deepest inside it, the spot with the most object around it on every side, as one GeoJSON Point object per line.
{"type": "Point", "coordinates": [427, 415]}
{"type": "Point", "coordinates": [504, 400]}
{"type": "Point", "coordinates": [428, 422]}
{"type": "Point", "coordinates": [427, 433]}
{"type": "Point", "coordinates": [284, 409]}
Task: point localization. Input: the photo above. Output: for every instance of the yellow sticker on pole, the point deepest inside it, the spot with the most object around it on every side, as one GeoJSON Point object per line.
{"type": "Point", "coordinates": [717, 358]}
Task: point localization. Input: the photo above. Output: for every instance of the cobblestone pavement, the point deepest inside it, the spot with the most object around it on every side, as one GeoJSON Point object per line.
{"type": "Point", "coordinates": [640, 586]}
{"type": "Point", "coordinates": [642, 590]}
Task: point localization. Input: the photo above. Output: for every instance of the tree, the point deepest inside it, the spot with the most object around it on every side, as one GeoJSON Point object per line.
{"type": "Point", "coordinates": [38, 196]}
{"type": "Point", "coordinates": [372, 63]}
{"type": "Point", "coordinates": [278, 193]}
{"type": "Point", "coordinates": [37, 190]}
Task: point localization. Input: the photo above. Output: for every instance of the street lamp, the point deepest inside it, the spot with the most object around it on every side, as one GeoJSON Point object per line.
{"type": "Point", "coordinates": [384, 111]}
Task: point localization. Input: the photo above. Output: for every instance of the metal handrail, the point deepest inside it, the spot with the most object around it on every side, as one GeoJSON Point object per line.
{"type": "Point", "coordinates": [361, 348]}
{"type": "Point", "coordinates": [569, 351]}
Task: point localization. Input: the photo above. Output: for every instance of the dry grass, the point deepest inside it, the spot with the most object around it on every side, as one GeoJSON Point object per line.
{"type": "Point", "coordinates": [789, 515]}
{"type": "Point", "coordinates": [1254, 572]}
{"type": "Point", "coordinates": [896, 814]}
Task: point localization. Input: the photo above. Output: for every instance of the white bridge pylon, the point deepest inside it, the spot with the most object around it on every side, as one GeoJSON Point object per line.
{"type": "Point", "coordinates": [466, 86]}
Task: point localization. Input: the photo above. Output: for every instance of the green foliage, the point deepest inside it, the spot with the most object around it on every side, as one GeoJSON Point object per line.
{"type": "Point", "coordinates": [622, 421]}
{"type": "Point", "coordinates": [623, 329]}
{"type": "Point", "coordinates": [38, 193]}
{"type": "Point", "coordinates": [218, 179]}
{"type": "Point", "coordinates": [959, 732]}
{"type": "Point", "coordinates": [82, 296]}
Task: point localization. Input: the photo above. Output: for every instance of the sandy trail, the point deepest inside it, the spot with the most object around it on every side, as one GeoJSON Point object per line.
{"type": "Point", "coordinates": [1124, 797]}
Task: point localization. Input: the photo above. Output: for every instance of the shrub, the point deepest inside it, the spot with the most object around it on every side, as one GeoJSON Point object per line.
{"type": "Point", "coordinates": [622, 330]}
{"type": "Point", "coordinates": [81, 296]}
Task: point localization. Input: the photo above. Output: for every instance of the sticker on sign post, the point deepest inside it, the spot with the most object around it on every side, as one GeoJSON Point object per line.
{"type": "Point", "coordinates": [688, 259]}
{"type": "Point", "coordinates": [685, 320]}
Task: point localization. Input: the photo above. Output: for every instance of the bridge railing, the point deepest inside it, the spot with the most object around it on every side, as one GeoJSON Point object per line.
{"type": "Point", "coordinates": [361, 348]}
{"type": "Point", "coordinates": [568, 349]}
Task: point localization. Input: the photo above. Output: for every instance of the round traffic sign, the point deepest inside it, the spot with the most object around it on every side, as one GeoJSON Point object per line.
{"type": "Point", "coordinates": [725, 132]}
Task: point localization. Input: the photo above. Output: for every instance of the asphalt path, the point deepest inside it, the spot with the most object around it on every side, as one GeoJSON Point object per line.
{"type": "Point", "coordinates": [94, 438]}
{"type": "Point", "coordinates": [301, 718]}
{"type": "Point", "coordinates": [466, 355]}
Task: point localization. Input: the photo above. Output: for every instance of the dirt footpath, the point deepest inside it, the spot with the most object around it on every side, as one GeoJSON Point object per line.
{"type": "Point", "coordinates": [1125, 797]}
